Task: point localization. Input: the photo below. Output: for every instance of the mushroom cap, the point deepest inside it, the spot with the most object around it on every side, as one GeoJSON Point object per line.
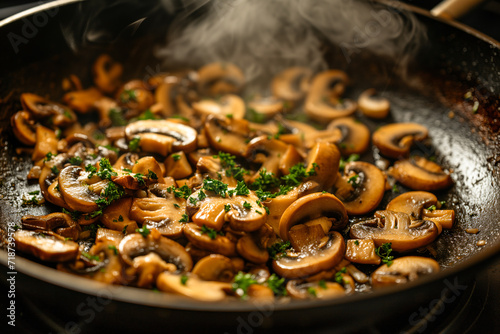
{"type": "Point", "coordinates": [412, 203]}
{"type": "Point", "coordinates": [160, 213]}
{"type": "Point", "coordinates": [310, 207]}
{"type": "Point", "coordinates": [214, 267]}
{"type": "Point", "coordinates": [267, 107]}
{"type": "Point", "coordinates": [107, 74]}
{"type": "Point", "coordinates": [206, 291]}
{"type": "Point", "coordinates": [403, 270]}
{"type": "Point", "coordinates": [42, 108]}
{"type": "Point", "coordinates": [220, 78]}
{"type": "Point", "coordinates": [73, 186]}
{"type": "Point", "coordinates": [46, 246]}
{"type": "Point", "coordinates": [228, 105]}
{"type": "Point", "coordinates": [116, 216]}
{"type": "Point", "coordinates": [23, 127]}
{"type": "Point", "coordinates": [58, 221]}
{"type": "Point", "coordinates": [299, 289]}
{"type": "Point", "coordinates": [419, 173]}
{"type": "Point", "coordinates": [373, 107]}
{"type": "Point", "coordinates": [177, 137]}
{"type": "Point", "coordinates": [355, 135]}
{"type": "Point", "coordinates": [324, 159]}
{"type": "Point", "coordinates": [251, 250]}
{"type": "Point", "coordinates": [135, 244]}
{"type": "Point", "coordinates": [227, 135]}
{"type": "Point", "coordinates": [291, 84]}
{"type": "Point", "coordinates": [220, 245]}
{"type": "Point", "coordinates": [310, 263]}
{"type": "Point", "coordinates": [368, 192]}
{"type": "Point", "coordinates": [395, 140]}
{"type": "Point", "coordinates": [396, 228]}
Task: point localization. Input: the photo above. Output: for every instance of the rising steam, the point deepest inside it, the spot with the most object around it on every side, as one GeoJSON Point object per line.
{"type": "Point", "coordinates": [265, 36]}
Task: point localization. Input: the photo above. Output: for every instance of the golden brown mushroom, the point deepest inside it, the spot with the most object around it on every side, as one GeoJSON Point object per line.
{"type": "Point", "coordinates": [214, 267]}
{"type": "Point", "coordinates": [107, 74]}
{"type": "Point", "coordinates": [395, 140]}
{"type": "Point", "coordinates": [355, 135]}
{"type": "Point", "coordinates": [231, 106]}
{"type": "Point", "coordinates": [220, 244]}
{"type": "Point", "coordinates": [403, 270]}
{"type": "Point", "coordinates": [192, 287]}
{"type": "Point", "coordinates": [418, 173]}
{"type": "Point", "coordinates": [220, 78]}
{"type": "Point", "coordinates": [58, 221]}
{"type": "Point", "coordinates": [23, 126]}
{"type": "Point", "coordinates": [373, 107]}
{"type": "Point", "coordinates": [47, 246]}
{"type": "Point", "coordinates": [291, 84]}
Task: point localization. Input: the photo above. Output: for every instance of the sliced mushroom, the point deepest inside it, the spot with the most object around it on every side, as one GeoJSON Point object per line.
{"type": "Point", "coordinates": [134, 245]}
{"type": "Point", "coordinates": [250, 248]}
{"type": "Point", "coordinates": [126, 161]}
{"type": "Point", "coordinates": [227, 135]}
{"type": "Point", "coordinates": [220, 78]}
{"type": "Point", "coordinates": [310, 207]}
{"type": "Point", "coordinates": [419, 173]}
{"type": "Point", "coordinates": [355, 135]}
{"type": "Point", "coordinates": [162, 137]}
{"type": "Point", "coordinates": [312, 262]}
{"type": "Point", "coordinates": [135, 95]}
{"type": "Point", "coordinates": [23, 127]}
{"type": "Point", "coordinates": [323, 102]}
{"type": "Point", "coordinates": [40, 107]}
{"type": "Point", "coordinates": [395, 140]}
{"type": "Point", "coordinates": [206, 208]}
{"type": "Point", "coordinates": [372, 106]}
{"type": "Point", "coordinates": [404, 270]}
{"type": "Point", "coordinates": [266, 107]}
{"type": "Point", "coordinates": [177, 165]}
{"type": "Point", "coordinates": [46, 141]}
{"type": "Point", "coordinates": [230, 105]}
{"type": "Point", "coordinates": [291, 84]}
{"type": "Point", "coordinates": [164, 214]}
{"type": "Point", "coordinates": [214, 267]}
{"type": "Point", "coordinates": [396, 228]}
{"type": "Point", "coordinates": [116, 216]}
{"type": "Point", "coordinates": [107, 74]}
{"type": "Point", "coordinates": [418, 205]}
{"type": "Point", "coordinates": [82, 100]}
{"type": "Point", "coordinates": [368, 188]}
{"type": "Point", "coordinates": [148, 267]}
{"type": "Point", "coordinates": [192, 287]}
{"type": "Point", "coordinates": [58, 221]}
{"type": "Point", "coordinates": [305, 135]}
{"type": "Point", "coordinates": [303, 290]}
{"type": "Point", "coordinates": [46, 246]}
{"type": "Point", "coordinates": [220, 245]}
{"type": "Point", "coordinates": [73, 185]}
{"type": "Point", "coordinates": [323, 159]}
{"type": "Point", "coordinates": [361, 251]}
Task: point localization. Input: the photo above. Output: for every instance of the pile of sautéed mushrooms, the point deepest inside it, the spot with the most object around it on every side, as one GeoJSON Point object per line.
{"type": "Point", "coordinates": [184, 186]}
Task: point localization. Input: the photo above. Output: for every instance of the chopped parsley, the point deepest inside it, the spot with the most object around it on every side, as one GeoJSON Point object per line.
{"type": "Point", "coordinates": [152, 175]}
{"type": "Point", "coordinates": [278, 249]}
{"type": "Point", "coordinates": [76, 160]}
{"type": "Point", "coordinates": [177, 206]}
{"type": "Point", "coordinates": [176, 157]}
{"type": "Point", "coordinates": [216, 186]}
{"type": "Point", "coordinates": [124, 230]}
{"type": "Point", "coordinates": [182, 192]}
{"type": "Point", "coordinates": [311, 291]}
{"type": "Point", "coordinates": [227, 207]}
{"type": "Point", "coordinates": [277, 285]}
{"type": "Point", "coordinates": [128, 95]}
{"type": "Point", "coordinates": [148, 114]}
{"type": "Point", "coordinates": [431, 208]}
{"type": "Point", "coordinates": [113, 248]}
{"type": "Point", "coordinates": [344, 162]}
{"type": "Point", "coordinates": [353, 180]}
{"type": "Point", "coordinates": [55, 170]}
{"type": "Point", "coordinates": [230, 166]}
{"type": "Point", "coordinates": [356, 242]}
{"type": "Point", "coordinates": [254, 116]}
{"type": "Point", "coordinates": [247, 205]}
{"type": "Point", "coordinates": [116, 117]}
{"type": "Point", "coordinates": [133, 145]}
{"type": "Point", "coordinates": [140, 179]}
{"type": "Point", "coordinates": [91, 257]}
{"type": "Point", "coordinates": [338, 275]}
{"type": "Point", "coordinates": [395, 189]}
{"type": "Point", "coordinates": [212, 234]}
{"type": "Point", "coordinates": [144, 231]}
{"type": "Point", "coordinates": [105, 169]}
{"type": "Point", "coordinates": [184, 279]}
{"type": "Point", "coordinates": [384, 252]}
{"type": "Point", "coordinates": [322, 284]}
{"type": "Point", "coordinates": [241, 189]}
{"type": "Point", "coordinates": [242, 282]}
{"type": "Point", "coordinates": [48, 156]}
{"type": "Point", "coordinates": [266, 181]}
{"type": "Point", "coordinates": [184, 219]}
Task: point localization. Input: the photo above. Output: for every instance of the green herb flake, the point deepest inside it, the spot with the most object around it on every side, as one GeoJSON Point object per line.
{"type": "Point", "coordinates": [311, 291]}
{"type": "Point", "coordinates": [48, 156]}
{"type": "Point", "coordinates": [116, 117]}
{"type": "Point", "coordinates": [144, 231]}
{"type": "Point", "coordinates": [277, 285]}
{"type": "Point", "coordinates": [176, 157]}
{"type": "Point", "coordinates": [212, 234]}
{"type": "Point", "coordinates": [133, 145]}
{"type": "Point", "coordinates": [91, 257]}
{"type": "Point", "coordinates": [384, 252]}
{"type": "Point", "coordinates": [227, 207]}
{"type": "Point", "coordinates": [356, 242]}
{"type": "Point", "coordinates": [114, 249]}
{"type": "Point", "coordinates": [338, 276]}
{"type": "Point", "coordinates": [55, 170]}
{"type": "Point", "coordinates": [76, 160]}
{"type": "Point", "coordinates": [322, 284]}
{"type": "Point", "coordinates": [344, 162]}
{"type": "Point", "coordinates": [184, 219]}
{"type": "Point", "coordinates": [184, 279]}
{"type": "Point", "coordinates": [431, 208]}
{"type": "Point", "coordinates": [124, 230]}
{"type": "Point", "coordinates": [242, 282]}
{"type": "Point", "coordinates": [247, 205]}
{"type": "Point", "coordinates": [177, 206]}
{"type": "Point", "coordinates": [279, 249]}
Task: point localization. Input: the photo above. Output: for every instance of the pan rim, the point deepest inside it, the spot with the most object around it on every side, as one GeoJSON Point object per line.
{"type": "Point", "coordinates": [137, 296]}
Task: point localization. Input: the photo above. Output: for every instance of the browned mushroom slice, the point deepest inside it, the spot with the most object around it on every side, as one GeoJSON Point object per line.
{"type": "Point", "coordinates": [355, 135]}
{"type": "Point", "coordinates": [135, 95]}
{"type": "Point", "coordinates": [323, 161]}
{"type": "Point", "coordinates": [396, 228]}
{"type": "Point", "coordinates": [192, 287]}
{"type": "Point", "coordinates": [372, 106]}
{"type": "Point", "coordinates": [327, 87]}
{"type": "Point", "coordinates": [311, 207]}
{"type": "Point", "coordinates": [73, 185]}
{"type": "Point", "coordinates": [82, 100]}
{"type": "Point", "coordinates": [361, 251]}
{"type": "Point", "coordinates": [305, 135]}
{"type": "Point", "coordinates": [177, 165]}
{"type": "Point", "coordinates": [266, 107]}
{"type": "Point", "coordinates": [214, 267]}
{"type": "Point", "coordinates": [403, 270]}
{"type": "Point", "coordinates": [368, 187]}
{"type": "Point", "coordinates": [110, 268]}
{"type": "Point", "coordinates": [275, 156]}
{"type": "Point", "coordinates": [58, 221]}
{"type": "Point", "coordinates": [250, 248]}
{"type": "Point", "coordinates": [227, 135]}
{"type": "Point", "coordinates": [311, 262]}
{"type": "Point", "coordinates": [291, 84]}
{"type": "Point", "coordinates": [116, 216]}
{"type": "Point", "coordinates": [46, 246]}
{"type": "Point", "coordinates": [134, 245]}
{"type": "Point", "coordinates": [220, 244]}
{"type": "Point", "coordinates": [126, 161]}
{"type": "Point", "coordinates": [107, 74]}
{"type": "Point", "coordinates": [161, 136]}
{"type": "Point", "coordinates": [423, 205]}
{"type": "Point", "coordinates": [242, 211]}
{"type": "Point", "coordinates": [230, 105]}
{"type": "Point", "coordinates": [149, 167]}
{"type": "Point", "coordinates": [220, 78]}
{"type": "Point", "coordinates": [419, 173]}
{"type": "Point", "coordinates": [395, 140]}
{"type": "Point", "coordinates": [105, 106]}
{"type": "Point", "coordinates": [43, 108]}
{"type": "Point", "coordinates": [46, 141]}
{"type": "Point", "coordinates": [164, 214]}
{"type": "Point", "coordinates": [24, 127]}
{"type": "Point", "coordinates": [303, 290]}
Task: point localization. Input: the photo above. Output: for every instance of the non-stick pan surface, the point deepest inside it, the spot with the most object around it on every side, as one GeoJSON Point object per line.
{"type": "Point", "coordinates": [455, 61]}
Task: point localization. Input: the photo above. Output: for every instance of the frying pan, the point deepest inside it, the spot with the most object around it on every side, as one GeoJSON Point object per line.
{"type": "Point", "coordinates": [456, 60]}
